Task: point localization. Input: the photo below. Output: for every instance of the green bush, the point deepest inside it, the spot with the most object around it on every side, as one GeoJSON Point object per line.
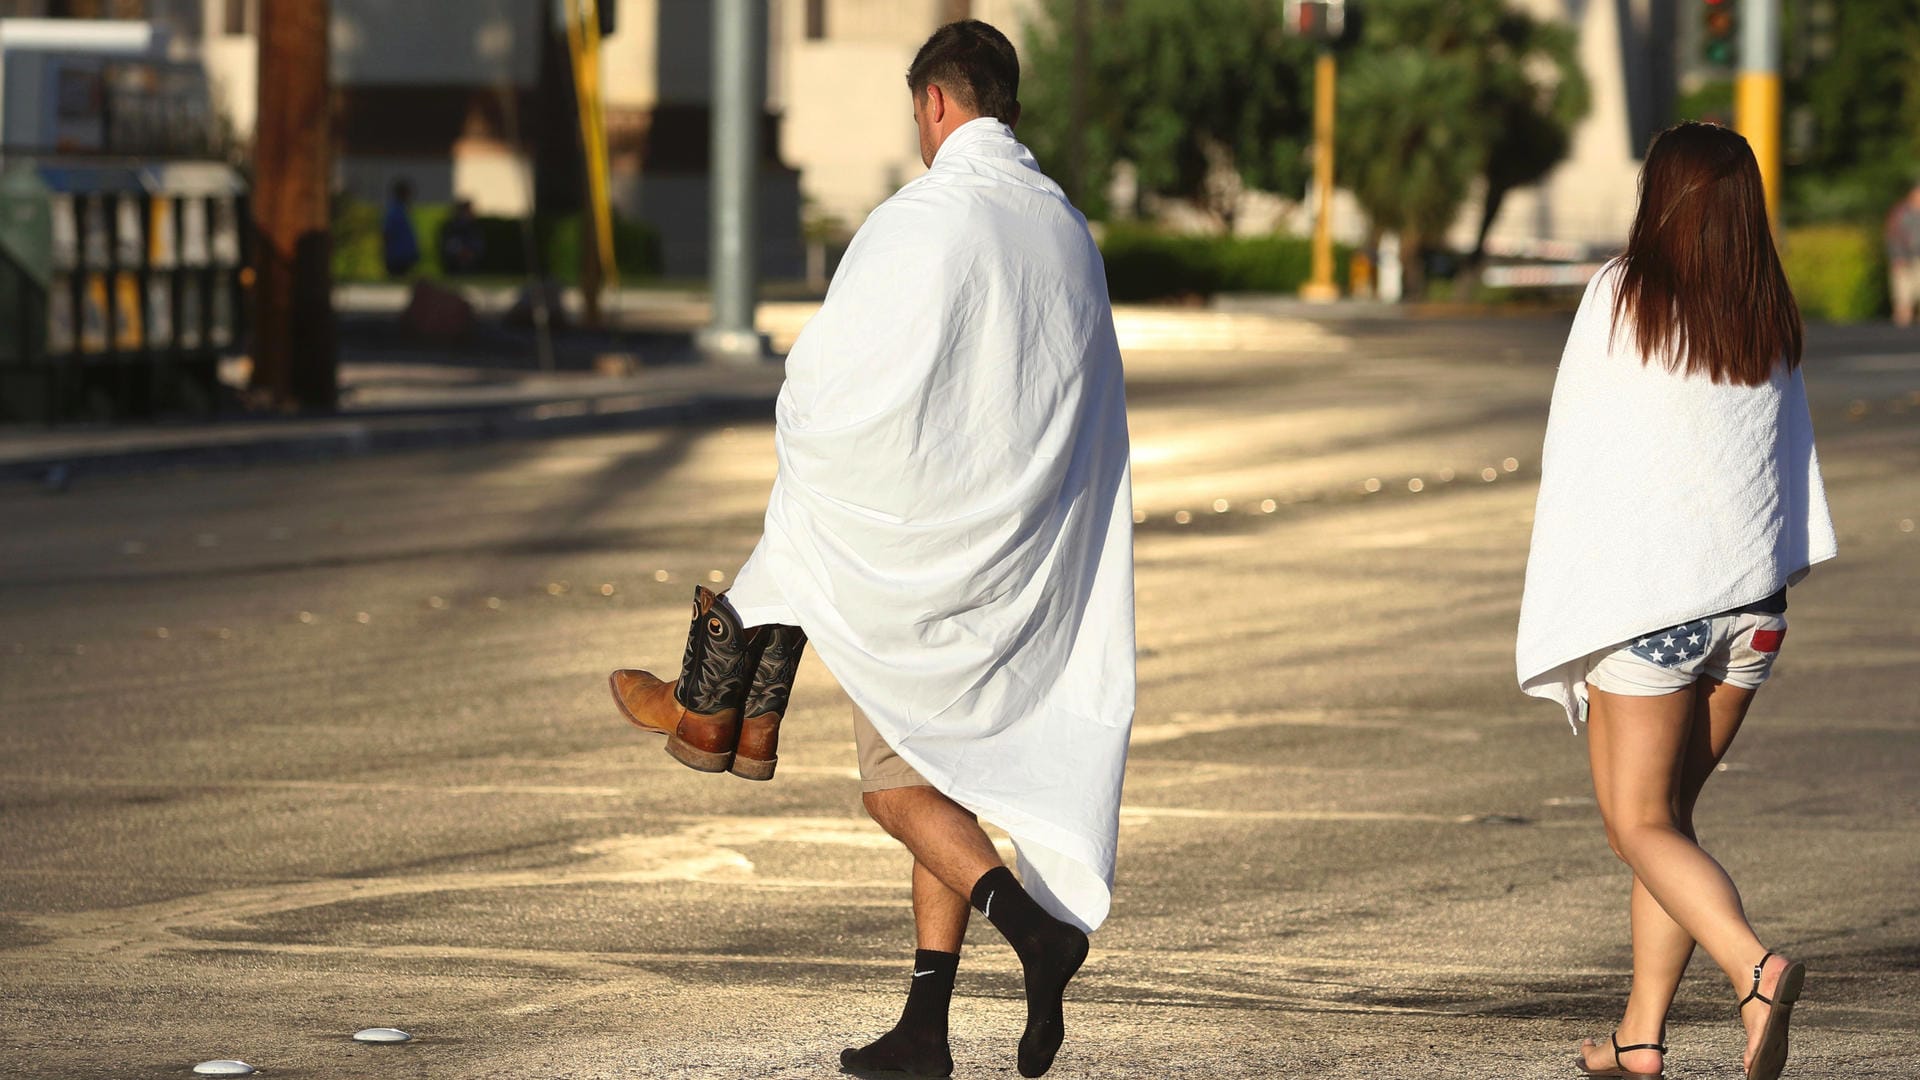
{"type": "Point", "coordinates": [1145, 264]}
{"type": "Point", "coordinates": [357, 254]}
{"type": "Point", "coordinates": [636, 248]}
{"type": "Point", "coordinates": [356, 241]}
{"type": "Point", "coordinates": [1838, 272]}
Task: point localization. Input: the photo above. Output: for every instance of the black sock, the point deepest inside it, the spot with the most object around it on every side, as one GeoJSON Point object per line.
{"type": "Point", "coordinates": [917, 1045]}
{"type": "Point", "coordinates": [1050, 952]}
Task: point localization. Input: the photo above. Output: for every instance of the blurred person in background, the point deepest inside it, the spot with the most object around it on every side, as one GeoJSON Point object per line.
{"type": "Point", "coordinates": [1903, 257]}
{"type": "Point", "coordinates": [952, 528]}
{"type": "Point", "coordinates": [462, 244]}
{"type": "Point", "coordinates": [399, 247]}
{"type": "Point", "coordinates": [1680, 495]}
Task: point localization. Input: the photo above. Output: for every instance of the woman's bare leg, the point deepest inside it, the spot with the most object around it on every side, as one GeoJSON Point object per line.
{"type": "Point", "coordinates": [1641, 749]}
{"type": "Point", "coordinates": [1661, 947]}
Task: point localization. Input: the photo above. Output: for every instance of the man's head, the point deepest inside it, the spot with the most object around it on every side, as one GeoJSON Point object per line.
{"type": "Point", "coordinates": [966, 70]}
{"type": "Point", "coordinates": [402, 191]}
{"type": "Point", "coordinates": [1913, 197]}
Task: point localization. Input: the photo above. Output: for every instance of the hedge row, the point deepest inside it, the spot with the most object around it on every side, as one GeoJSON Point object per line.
{"type": "Point", "coordinates": [1144, 264]}
{"type": "Point", "coordinates": [1838, 272]}
{"type": "Point", "coordinates": [357, 251]}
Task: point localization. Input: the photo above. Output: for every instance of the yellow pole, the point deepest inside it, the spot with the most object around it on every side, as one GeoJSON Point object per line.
{"type": "Point", "coordinates": [1756, 113]}
{"type": "Point", "coordinates": [1756, 92]}
{"type": "Point", "coordinates": [583, 40]}
{"type": "Point", "coordinates": [1321, 285]}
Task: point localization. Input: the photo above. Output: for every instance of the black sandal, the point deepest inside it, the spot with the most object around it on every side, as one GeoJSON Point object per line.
{"type": "Point", "coordinates": [1770, 1057]}
{"type": "Point", "coordinates": [1620, 1070]}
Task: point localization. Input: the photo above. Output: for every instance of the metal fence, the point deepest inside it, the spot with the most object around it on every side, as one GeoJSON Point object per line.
{"type": "Point", "coordinates": [142, 291]}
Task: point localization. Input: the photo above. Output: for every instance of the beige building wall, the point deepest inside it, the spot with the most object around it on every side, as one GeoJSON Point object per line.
{"type": "Point", "coordinates": [848, 120]}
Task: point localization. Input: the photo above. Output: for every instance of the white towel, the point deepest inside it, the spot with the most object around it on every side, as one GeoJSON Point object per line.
{"type": "Point", "coordinates": [952, 523]}
{"type": "Point", "coordinates": [1663, 498]}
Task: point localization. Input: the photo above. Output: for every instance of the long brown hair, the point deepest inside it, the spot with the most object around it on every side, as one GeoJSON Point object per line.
{"type": "Point", "coordinates": [1700, 286]}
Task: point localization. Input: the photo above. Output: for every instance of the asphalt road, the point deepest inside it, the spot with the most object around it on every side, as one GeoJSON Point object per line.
{"type": "Point", "coordinates": [296, 750]}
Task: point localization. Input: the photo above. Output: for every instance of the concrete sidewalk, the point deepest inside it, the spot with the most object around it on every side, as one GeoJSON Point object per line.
{"type": "Point", "coordinates": [389, 406]}
{"type": "Point", "coordinates": [399, 393]}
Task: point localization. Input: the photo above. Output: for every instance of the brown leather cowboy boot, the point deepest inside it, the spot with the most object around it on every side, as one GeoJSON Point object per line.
{"type": "Point", "coordinates": [780, 648]}
{"type": "Point", "coordinates": [700, 711]}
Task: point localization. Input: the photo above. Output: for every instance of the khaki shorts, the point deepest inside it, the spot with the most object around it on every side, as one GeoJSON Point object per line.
{"type": "Point", "coordinates": [1903, 276]}
{"type": "Point", "coordinates": [880, 767]}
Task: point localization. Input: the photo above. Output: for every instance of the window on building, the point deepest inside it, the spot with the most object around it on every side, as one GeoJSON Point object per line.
{"type": "Point", "coordinates": [816, 20]}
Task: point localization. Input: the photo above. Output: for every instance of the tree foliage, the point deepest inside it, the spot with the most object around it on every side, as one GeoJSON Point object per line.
{"type": "Point", "coordinates": [1434, 96]}
{"type": "Point", "coordinates": [1440, 93]}
{"type": "Point", "coordinates": [1855, 90]}
{"type": "Point", "coordinates": [1176, 87]}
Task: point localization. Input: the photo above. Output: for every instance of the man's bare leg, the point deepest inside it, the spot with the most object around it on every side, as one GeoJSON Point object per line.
{"type": "Point", "coordinates": [948, 844]}
{"type": "Point", "coordinates": [939, 914]}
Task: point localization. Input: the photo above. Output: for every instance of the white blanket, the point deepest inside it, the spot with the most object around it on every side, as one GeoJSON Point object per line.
{"type": "Point", "coordinates": [953, 521]}
{"type": "Point", "coordinates": [1663, 498]}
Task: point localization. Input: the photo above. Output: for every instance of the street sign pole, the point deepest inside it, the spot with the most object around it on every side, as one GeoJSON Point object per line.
{"type": "Point", "coordinates": [739, 73]}
{"type": "Point", "coordinates": [1756, 103]}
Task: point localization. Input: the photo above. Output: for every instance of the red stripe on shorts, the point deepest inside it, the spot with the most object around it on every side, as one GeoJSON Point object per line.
{"type": "Point", "coordinates": [1767, 640]}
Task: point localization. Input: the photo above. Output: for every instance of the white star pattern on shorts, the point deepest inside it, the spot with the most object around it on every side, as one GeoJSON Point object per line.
{"type": "Point", "coordinates": [1675, 645]}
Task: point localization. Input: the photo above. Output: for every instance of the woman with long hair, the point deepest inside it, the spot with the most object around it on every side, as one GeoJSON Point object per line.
{"type": "Point", "coordinates": [1680, 495]}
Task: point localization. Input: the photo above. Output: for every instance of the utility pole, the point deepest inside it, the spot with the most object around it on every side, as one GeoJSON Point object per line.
{"type": "Point", "coordinates": [739, 96]}
{"type": "Point", "coordinates": [1756, 100]}
{"type": "Point", "coordinates": [294, 365]}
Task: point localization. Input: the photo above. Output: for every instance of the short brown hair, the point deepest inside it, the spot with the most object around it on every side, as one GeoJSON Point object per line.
{"type": "Point", "coordinates": [974, 64]}
{"type": "Point", "coordinates": [1701, 288]}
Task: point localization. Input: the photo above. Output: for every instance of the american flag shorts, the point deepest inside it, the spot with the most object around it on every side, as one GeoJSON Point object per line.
{"type": "Point", "coordinates": [1737, 649]}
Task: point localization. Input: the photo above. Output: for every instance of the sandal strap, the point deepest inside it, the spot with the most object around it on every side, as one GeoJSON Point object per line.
{"type": "Point", "coordinates": [1755, 994]}
{"type": "Point", "coordinates": [1618, 1049]}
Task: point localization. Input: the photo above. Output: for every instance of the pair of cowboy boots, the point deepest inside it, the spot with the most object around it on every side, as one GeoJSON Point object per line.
{"type": "Point", "coordinates": [723, 713]}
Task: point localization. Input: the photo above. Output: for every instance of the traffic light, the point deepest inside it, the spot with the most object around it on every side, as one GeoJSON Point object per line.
{"type": "Point", "coordinates": [1719, 28]}
{"type": "Point", "coordinates": [1322, 21]}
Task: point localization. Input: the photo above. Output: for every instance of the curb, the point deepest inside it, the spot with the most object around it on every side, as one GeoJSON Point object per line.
{"type": "Point", "coordinates": [378, 434]}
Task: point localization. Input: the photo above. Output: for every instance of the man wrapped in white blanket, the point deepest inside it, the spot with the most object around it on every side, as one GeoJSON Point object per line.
{"type": "Point", "coordinates": [952, 528]}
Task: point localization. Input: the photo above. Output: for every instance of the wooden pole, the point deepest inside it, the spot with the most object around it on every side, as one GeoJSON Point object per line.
{"type": "Point", "coordinates": [294, 363]}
